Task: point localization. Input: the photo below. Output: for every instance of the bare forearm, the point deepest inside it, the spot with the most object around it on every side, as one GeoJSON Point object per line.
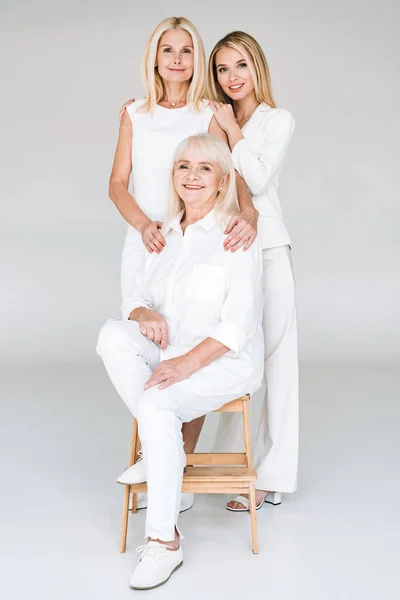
{"type": "Point", "coordinates": [205, 353]}
{"type": "Point", "coordinates": [127, 205]}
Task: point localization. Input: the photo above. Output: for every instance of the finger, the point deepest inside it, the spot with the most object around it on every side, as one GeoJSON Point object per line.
{"type": "Point", "coordinates": [157, 335]}
{"type": "Point", "coordinates": [150, 332]}
{"type": "Point", "coordinates": [155, 379]}
{"type": "Point", "coordinates": [231, 224]}
{"type": "Point", "coordinates": [164, 338]}
{"type": "Point", "coordinates": [249, 242]}
{"type": "Point", "coordinates": [160, 238]}
{"type": "Point", "coordinates": [238, 245]}
{"type": "Point", "coordinates": [143, 329]}
{"type": "Point", "coordinates": [167, 383]}
{"type": "Point", "coordinates": [234, 236]}
{"type": "Point", "coordinates": [234, 241]}
{"type": "Point", "coordinates": [158, 246]}
{"type": "Point", "coordinates": [151, 247]}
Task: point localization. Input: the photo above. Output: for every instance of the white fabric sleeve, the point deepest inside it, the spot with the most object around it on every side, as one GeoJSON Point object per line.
{"type": "Point", "coordinates": [242, 310]}
{"type": "Point", "coordinates": [133, 289]}
{"type": "Point", "coordinates": [259, 169]}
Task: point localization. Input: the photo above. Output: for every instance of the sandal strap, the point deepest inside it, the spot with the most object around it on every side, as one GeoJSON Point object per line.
{"type": "Point", "coordinates": [243, 500]}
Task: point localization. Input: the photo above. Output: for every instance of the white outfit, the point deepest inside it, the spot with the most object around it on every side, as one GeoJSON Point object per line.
{"type": "Point", "coordinates": [259, 158]}
{"type": "Point", "coordinates": [201, 291]}
{"type": "Point", "coordinates": [155, 137]}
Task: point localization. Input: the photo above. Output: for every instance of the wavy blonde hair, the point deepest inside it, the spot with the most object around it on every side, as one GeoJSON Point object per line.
{"type": "Point", "coordinates": [214, 150]}
{"type": "Point", "coordinates": [151, 78]}
{"type": "Point", "coordinates": [255, 57]}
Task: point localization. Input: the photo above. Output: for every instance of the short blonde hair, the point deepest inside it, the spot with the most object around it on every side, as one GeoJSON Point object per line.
{"type": "Point", "coordinates": [151, 78]}
{"type": "Point", "coordinates": [252, 51]}
{"type": "Point", "coordinates": [216, 151]}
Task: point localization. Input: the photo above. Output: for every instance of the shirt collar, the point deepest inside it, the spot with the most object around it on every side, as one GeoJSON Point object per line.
{"type": "Point", "coordinates": [206, 223]}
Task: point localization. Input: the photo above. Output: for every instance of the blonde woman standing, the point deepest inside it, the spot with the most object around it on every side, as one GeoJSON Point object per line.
{"type": "Point", "coordinates": [174, 74]}
{"type": "Point", "coordinates": [259, 136]}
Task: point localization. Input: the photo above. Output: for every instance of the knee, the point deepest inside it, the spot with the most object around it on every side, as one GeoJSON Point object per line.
{"type": "Point", "coordinates": [113, 333]}
{"type": "Point", "coordinates": [153, 404]}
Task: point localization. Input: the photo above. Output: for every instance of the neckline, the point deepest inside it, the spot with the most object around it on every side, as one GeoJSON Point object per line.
{"type": "Point", "coordinates": [172, 109]}
{"type": "Point", "coordinates": [252, 115]}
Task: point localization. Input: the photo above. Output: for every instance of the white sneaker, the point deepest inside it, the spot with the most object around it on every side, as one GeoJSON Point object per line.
{"type": "Point", "coordinates": [187, 501]}
{"type": "Point", "coordinates": [156, 565]}
{"type": "Point", "coordinates": [134, 474]}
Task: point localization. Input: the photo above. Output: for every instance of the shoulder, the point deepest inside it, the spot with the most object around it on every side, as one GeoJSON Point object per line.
{"type": "Point", "coordinates": [132, 109]}
{"type": "Point", "coordinates": [277, 117]}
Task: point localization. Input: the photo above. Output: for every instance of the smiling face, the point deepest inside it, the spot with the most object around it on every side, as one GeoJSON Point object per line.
{"type": "Point", "coordinates": [175, 56]}
{"type": "Point", "coordinates": [233, 73]}
{"type": "Point", "coordinates": [197, 180]}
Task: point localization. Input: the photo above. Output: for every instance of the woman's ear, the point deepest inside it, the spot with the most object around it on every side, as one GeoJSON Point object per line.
{"type": "Point", "coordinates": [223, 182]}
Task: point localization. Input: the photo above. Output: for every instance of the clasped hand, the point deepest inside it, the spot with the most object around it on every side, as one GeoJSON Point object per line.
{"type": "Point", "coordinates": [168, 372]}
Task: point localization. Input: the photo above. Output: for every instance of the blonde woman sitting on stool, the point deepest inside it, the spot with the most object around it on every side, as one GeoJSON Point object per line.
{"type": "Point", "coordinates": [193, 340]}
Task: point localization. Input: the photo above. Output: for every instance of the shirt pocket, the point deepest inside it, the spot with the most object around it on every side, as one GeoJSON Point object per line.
{"type": "Point", "coordinates": [208, 283]}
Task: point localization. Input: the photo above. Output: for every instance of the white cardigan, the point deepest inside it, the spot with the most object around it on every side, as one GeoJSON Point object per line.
{"type": "Point", "coordinates": [258, 158]}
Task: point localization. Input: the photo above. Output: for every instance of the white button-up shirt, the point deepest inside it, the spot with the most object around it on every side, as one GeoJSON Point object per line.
{"type": "Point", "coordinates": [259, 158]}
{"type": "Point", "coordinates": [203, 291]}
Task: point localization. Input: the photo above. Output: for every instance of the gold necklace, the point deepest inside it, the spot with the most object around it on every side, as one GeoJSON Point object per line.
{"type": "Point", "coordinates": [173, 104]}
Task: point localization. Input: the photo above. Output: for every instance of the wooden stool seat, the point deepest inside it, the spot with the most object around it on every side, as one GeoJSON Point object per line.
{"type": "Point", "coordinates": [207, 473]}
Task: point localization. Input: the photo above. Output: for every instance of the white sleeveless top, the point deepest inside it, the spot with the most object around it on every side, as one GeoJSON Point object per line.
{"type": "Point", "coordinates": [155, 137]}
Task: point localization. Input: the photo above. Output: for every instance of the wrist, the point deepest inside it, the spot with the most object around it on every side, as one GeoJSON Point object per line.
{"type": "Point", "coordinates": [192, 362]}
{"type": "Point", "coordinates": [143, 224]}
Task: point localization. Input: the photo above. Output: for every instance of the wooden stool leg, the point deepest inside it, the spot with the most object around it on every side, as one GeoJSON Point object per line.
{"type": "Point", "coordinates": [135, 443]}
{"type": "Point", "coordinates": [125, 511]}
{"type": "Point", "coordinates": [134, 503]}
{"type": "Point", "coordinates": [252, 502]}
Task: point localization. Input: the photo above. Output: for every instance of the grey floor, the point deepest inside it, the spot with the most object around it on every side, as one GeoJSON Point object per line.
{"type": "Point", "coordinates": [65, 438]}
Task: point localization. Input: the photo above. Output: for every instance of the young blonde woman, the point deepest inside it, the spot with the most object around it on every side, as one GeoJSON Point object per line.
{"type": "Point", "coordinates": [259, 136]}
{"type": "Point", "coordinates": [174, 75]}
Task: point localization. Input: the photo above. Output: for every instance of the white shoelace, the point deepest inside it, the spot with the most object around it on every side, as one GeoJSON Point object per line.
{"type": "Point", "coordinates": [148, 550]}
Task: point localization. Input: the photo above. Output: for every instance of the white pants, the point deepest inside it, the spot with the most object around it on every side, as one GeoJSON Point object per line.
{"type": "Point", "coordinates": [130, 358]}
{"type": "Point", "coordinates": [276, 449]}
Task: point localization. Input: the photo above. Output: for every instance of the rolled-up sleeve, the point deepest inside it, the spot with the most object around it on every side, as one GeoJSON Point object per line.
{"type": "Point", "coordinates": [242, 310]}
{"type": "Point", "coordinates": [259, 169]}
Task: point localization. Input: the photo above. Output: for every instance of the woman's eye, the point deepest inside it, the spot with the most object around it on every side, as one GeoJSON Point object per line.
{"type": "Point", "coordinates": [187, 50]}
{"type": "Point", "coordinates": [222, 70]}
{"type": "Point", "coordinates": [182, 167]}
{"type": "Point", "coordinates": [206, 168]}
{"type": "Point", "coordinates": [242, 65]}
{"type": "Point", "coordinates": [167, 49]}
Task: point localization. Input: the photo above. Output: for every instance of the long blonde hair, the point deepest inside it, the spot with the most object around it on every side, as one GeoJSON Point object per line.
{"type": "Point", "coordinates": [216, 151]}
{"type": "Point", "coordinates": [255, 57]}
{"type": "Point", "coordinates": [151, 78]}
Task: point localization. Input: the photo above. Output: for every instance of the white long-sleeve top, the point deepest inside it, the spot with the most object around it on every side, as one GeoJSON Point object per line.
{"type": "Point", "coordinates": [258, 158]}
{"type": "Point", "coordinates": [203, 291]}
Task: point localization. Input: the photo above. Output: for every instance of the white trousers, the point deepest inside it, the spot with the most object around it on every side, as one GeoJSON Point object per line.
{"type": "Point", "coordinates": [130, 358]}
{"type": "Point", "coordinates": [276, 449]}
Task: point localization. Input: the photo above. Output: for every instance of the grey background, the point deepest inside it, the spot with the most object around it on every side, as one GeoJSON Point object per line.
{"type": "Point", "coordinates": [66, 69]}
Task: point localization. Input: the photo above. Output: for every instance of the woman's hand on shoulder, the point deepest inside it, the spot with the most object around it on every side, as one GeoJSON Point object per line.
{"type": "Point", "coordinates": [124, 107]}
{"type": "Point", "coordinates": [154, 327]}
{"type": "Point", "coordinates": [171, 371]}
{"type": "Point", "coordinates": [152, 237]}
{"type": "Point", "coordinates": [223, 114]}
{"type": "Point", "coordinates": [242, 230]}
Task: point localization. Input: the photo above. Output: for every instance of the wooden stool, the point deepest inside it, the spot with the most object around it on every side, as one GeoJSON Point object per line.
{"type": "Point", "coordinates": [207, 473]}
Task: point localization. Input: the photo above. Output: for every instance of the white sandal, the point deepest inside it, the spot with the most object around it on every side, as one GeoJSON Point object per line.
{"type": "Point", "coordinates": [271, 498]}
